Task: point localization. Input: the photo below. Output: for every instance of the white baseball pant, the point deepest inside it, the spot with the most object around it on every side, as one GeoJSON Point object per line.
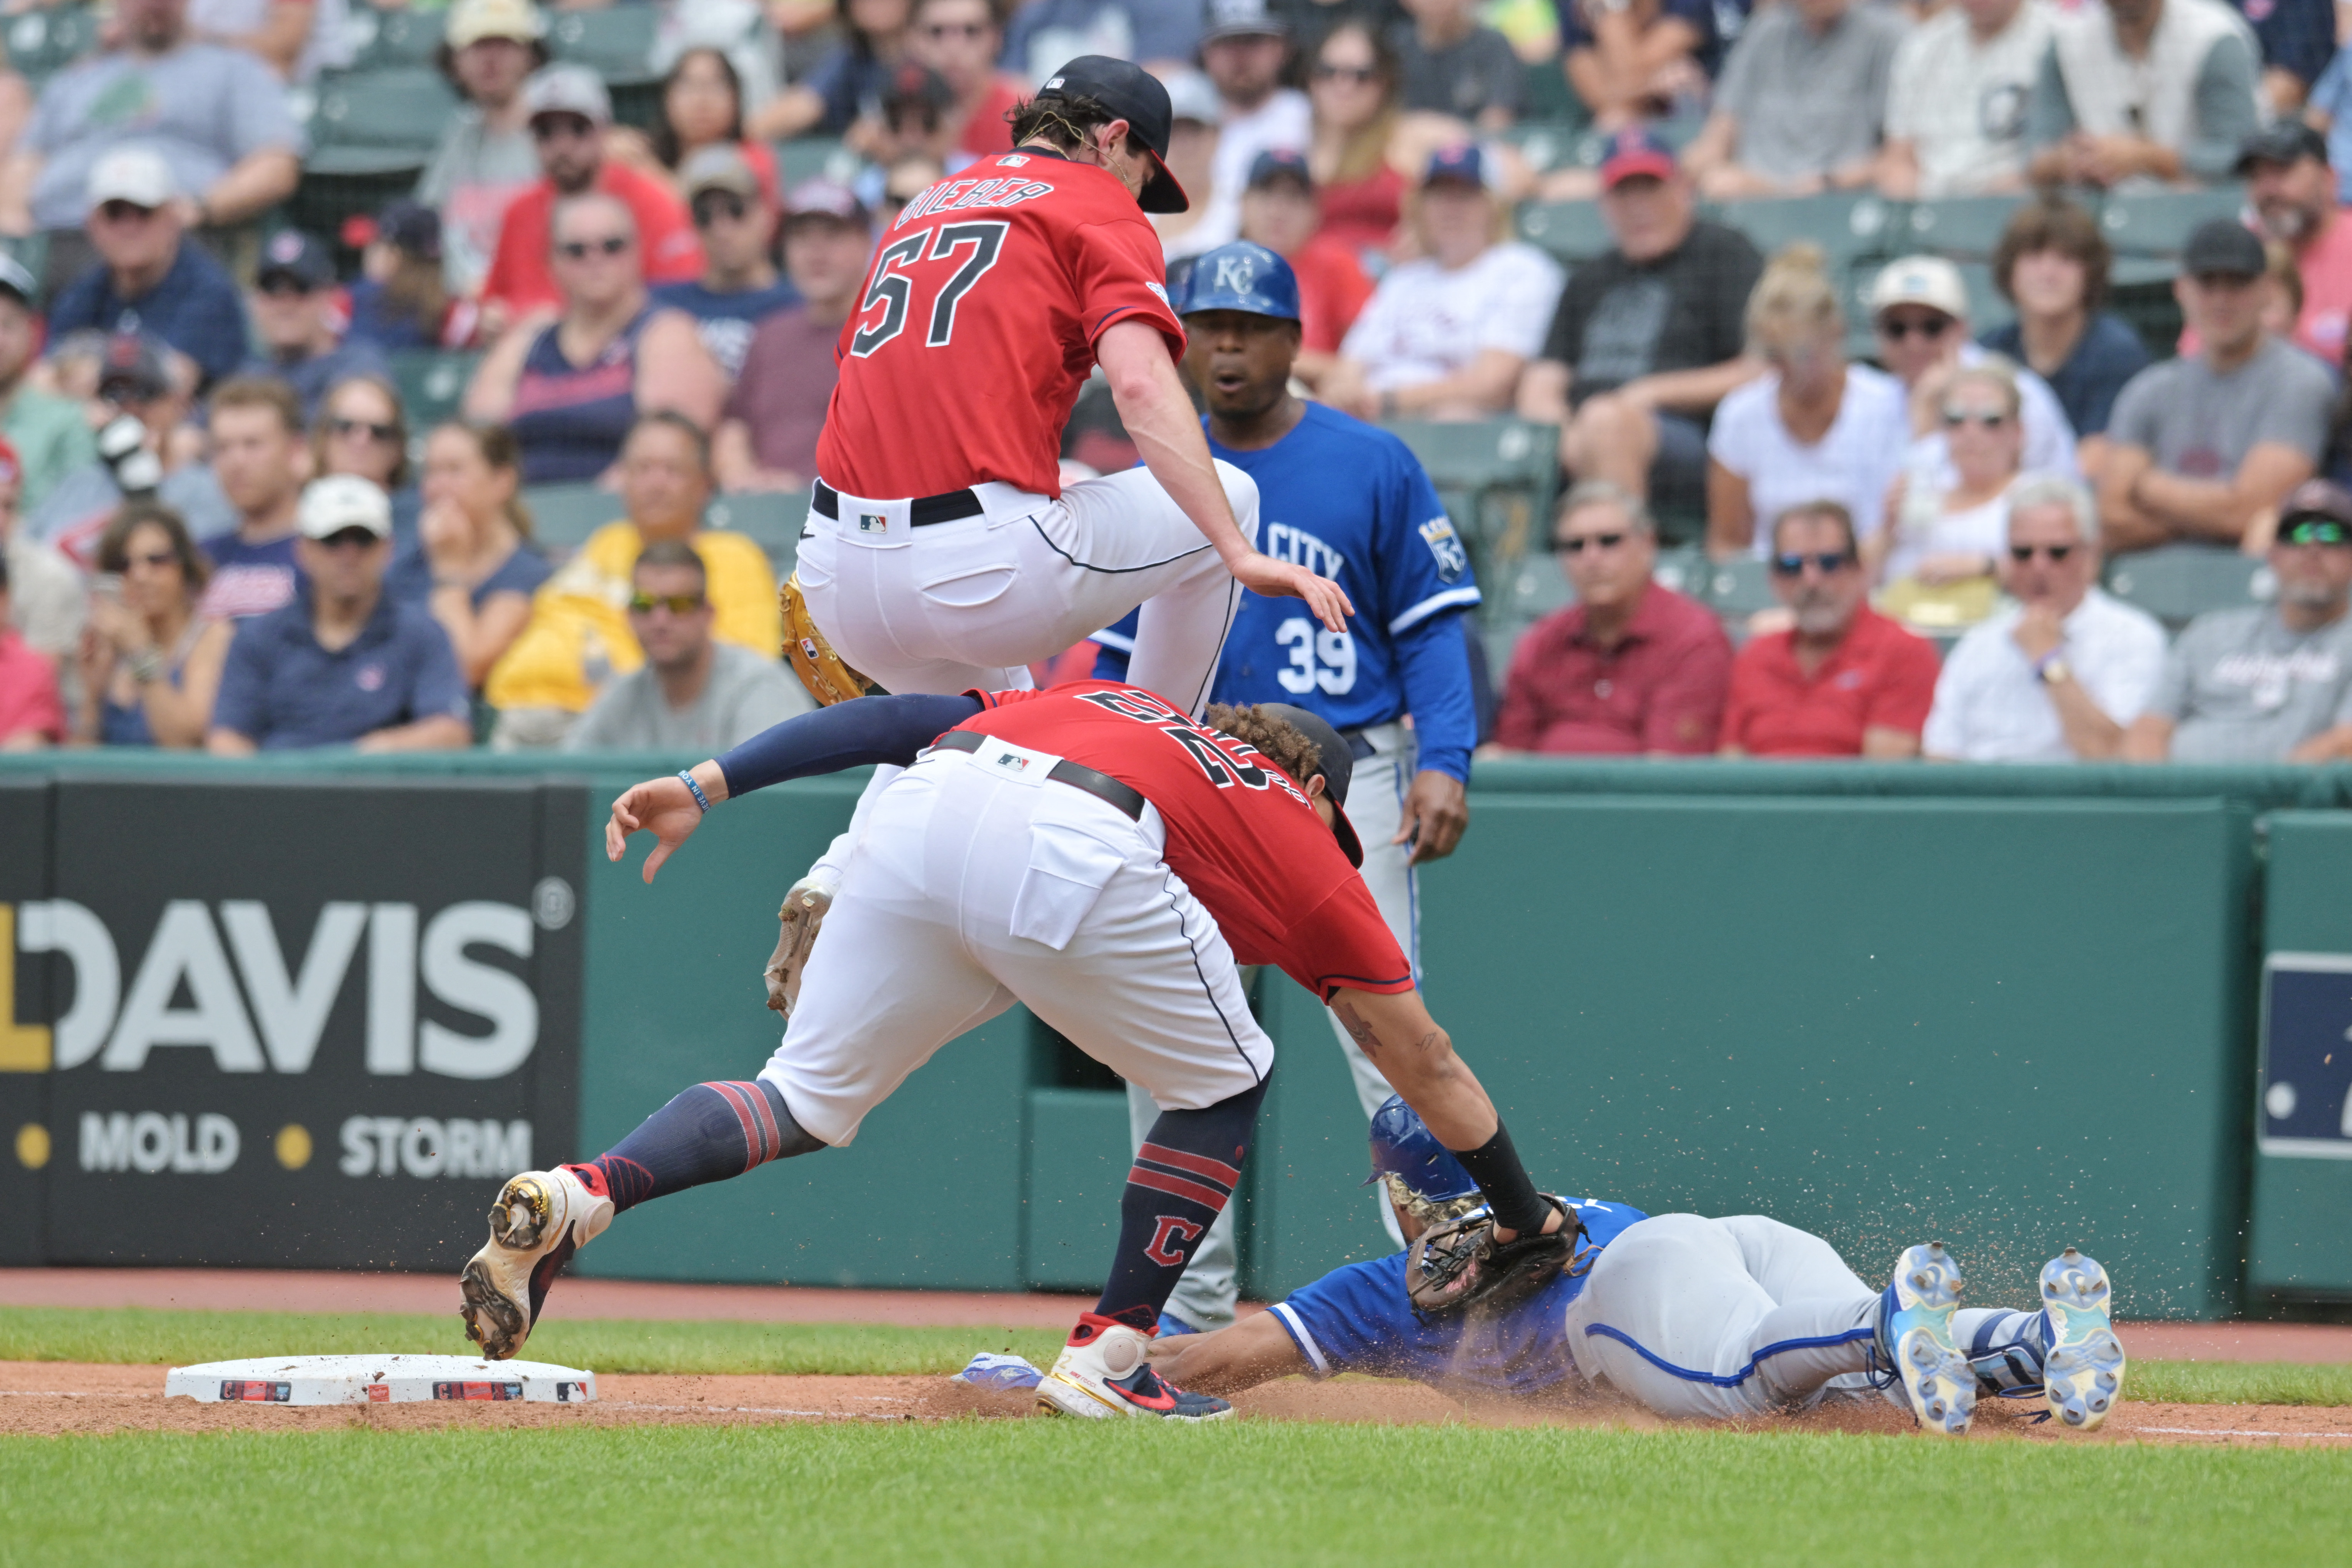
{"type": "Point", "coordinates": [979, 883]}
{"type": "Point", "coordinates": [957, 606]}
{"type": "Point", "coordinates": [1744, 1316]}
{"type": "Point", "coordinates": [1204, 1298]}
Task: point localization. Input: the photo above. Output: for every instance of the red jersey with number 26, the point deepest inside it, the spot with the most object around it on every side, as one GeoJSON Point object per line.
{"type": "Point", "coordinates": [1239, 832]}
{"type": "Point", "coordinates": [978, 324]}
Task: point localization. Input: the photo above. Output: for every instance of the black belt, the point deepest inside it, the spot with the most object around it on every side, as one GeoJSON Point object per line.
{"type": "Point", "coordinates": [1359, 745]}
{"type": "Point", "coordinates": [1077, 775]}
{"type": "Point", "coordinates": [953, 505]}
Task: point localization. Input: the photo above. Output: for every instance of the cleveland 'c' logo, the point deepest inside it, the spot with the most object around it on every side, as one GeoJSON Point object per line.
{"type": "Point", "coordinates": [1183, 1230]}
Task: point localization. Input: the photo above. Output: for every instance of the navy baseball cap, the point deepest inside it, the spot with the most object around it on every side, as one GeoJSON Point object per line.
{"type": "Point", "coordinates": [1136, 95]}
{"type": "Point", "coordinates": [1240, 277]}
{"type": "Point", "coordinates": [1465, 165]}
{"type": "Point", "coordinates": [290, 253]}
{"type": "Point", "coordinates": [2282, 141]}
{"type": "Point", "coordinates": [1336, 761]}
{"type": "Point", "coordinates": [2223, 246]}
{"type": "Point", "coordinates": [1404, 1147]}
{"type": "Point", "coordinates": [1280, 164]}
{"type": "Point", "coordinates": [1633, 152]}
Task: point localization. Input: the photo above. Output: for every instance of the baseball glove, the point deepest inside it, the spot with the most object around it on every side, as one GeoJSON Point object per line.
{"type": "Point", "coordinates": [822, 670]}
{"type": "Point", "coordinates": [1459, 1266]}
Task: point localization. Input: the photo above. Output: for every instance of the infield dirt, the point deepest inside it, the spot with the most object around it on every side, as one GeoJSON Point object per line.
{"type": "Point", "coordinates": [55, 1398]}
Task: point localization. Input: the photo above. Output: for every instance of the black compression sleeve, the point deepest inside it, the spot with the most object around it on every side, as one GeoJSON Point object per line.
{"type": "Point", "coordinates": [1510, 1192]}
{"type": "Point", "coordinates": [864, 730]}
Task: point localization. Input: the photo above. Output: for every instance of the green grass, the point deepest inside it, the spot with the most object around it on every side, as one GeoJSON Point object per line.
{"type": "Point", "coordinates": [979, 1492]}
{"type": "Point", "coordinates": [139, 1336]}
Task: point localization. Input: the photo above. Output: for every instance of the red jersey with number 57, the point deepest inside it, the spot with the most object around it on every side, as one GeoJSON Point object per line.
{"type": "Point", "coordinates": [1239, 832]}
{"type": "Point", "coordinates": [977, 327]}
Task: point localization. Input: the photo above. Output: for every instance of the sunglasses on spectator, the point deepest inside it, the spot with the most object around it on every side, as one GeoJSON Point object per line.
{"type": "Point", "coordinates": [2023, 554]}
{"type": "Point", "coordinates": [1990, 418]}
{"type": "Point", "coordinates": [155, 558]}
{"type": "Point", "coordinates": [550, 127]}
{"type": "Point", "coordinates": [1897, 328]}
{"type": "Point", "coordinates": [2311, 531]}
{"type": "Point", "coordinates": [368, 427]}
{"type": "Point", "coordinates": [711, 205]}
{"type": "Point", "coordinates": [1574, 543]}
{"type": "Point", "coordinates": [279, 285]}
{"type": "Point", "coordinates": [581, 250]}
{"type": "Point", "coordinates": [675, 603]}
{"type": "Point", "coordinates": [119, 211]}
{"type": "Point", "coordinates": [1828, 562]}
{"type": "Point", "coordinates": [1359, 75]}
{"type": "Point", "coordinates": [938, 30]}
{"type": "Point", "coordinates": [349, 539]}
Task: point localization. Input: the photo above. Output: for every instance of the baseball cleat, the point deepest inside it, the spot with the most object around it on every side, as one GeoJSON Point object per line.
{"type": "Point", "coordinates": [2082, 1370]}
{"type": "Point", "coordinates": [540, 1220]}
{"type": "Point", "coordinates": [1915, 1340]}
{"type": "Point", "coordinates": [801, 917]}
{"type": "Point", "coordinates": [1102, 1375]}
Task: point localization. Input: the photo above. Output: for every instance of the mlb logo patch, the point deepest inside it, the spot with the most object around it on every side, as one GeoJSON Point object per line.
{"type": "Point", "coordinates": [873, 523]}
{"type": "Point", "coordinates": [1014, 160]}
{"type": "Point", "coordinates": [1011, 763]}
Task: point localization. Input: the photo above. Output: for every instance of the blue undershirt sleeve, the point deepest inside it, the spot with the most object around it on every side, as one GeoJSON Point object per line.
{"type": "Point", "coordinates": [864, 730]}
{"type": "Point", "coordinates": [1435, 665]}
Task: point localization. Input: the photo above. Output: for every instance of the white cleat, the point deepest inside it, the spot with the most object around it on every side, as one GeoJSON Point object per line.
{"type": "Point", "coordinates": [1103, 1374]}
{"type": "Point", "coordinates": [540, 1220]}
{"type": "Point", "coordinates": [801, 917]}
{"type": "Point", "coordinates": [1915, 1340]}
{"type": "Point", "coordinates": [2083, 1367]}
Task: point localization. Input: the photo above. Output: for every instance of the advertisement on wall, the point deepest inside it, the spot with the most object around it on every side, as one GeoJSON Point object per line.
{"type": "Point", "coordinates": [297, 1025]}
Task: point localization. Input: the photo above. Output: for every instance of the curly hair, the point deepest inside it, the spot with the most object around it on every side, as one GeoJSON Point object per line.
{"type": "Point", "coordinates": [1066, 120]}
{"type": "Point", "coordinates": [1428, 1211]}
{"type": "Point", "coordinates": [1279, 741]}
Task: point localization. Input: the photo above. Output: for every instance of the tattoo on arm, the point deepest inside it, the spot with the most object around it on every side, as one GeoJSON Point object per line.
{"type": "Point", "coordinates": [1359, 1031]}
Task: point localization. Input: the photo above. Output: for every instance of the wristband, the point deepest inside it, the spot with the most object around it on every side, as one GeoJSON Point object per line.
{"type": "Point", "coordinates": [700, 799]}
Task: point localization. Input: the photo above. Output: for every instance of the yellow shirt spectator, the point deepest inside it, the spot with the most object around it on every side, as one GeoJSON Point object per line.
{"type": "Point", "coordinates": [579, 634]}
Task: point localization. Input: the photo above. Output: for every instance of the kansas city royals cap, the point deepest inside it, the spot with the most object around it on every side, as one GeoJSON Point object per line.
{"type": "Point", "coordinates": [1404, 1147]}
{"type": "Point", "coordinates": [1337, 764]}
{"type": "Point", "coordinates": [1134, 95]}
{"type": "Point", "coordinates": [1240, 277]}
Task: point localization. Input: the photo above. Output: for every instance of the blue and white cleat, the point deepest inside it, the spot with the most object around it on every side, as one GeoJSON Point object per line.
{"type": "Point", "coordinates": [1915, 1340]}
{"type": "Point", "coordinates": [2083, 1369]}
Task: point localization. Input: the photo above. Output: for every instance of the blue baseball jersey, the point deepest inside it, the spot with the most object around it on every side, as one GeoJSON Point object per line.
{"type": "Point", "coordinates": [1359, 1318]}
{"type": "Point", "coordinates": [1350, 501]}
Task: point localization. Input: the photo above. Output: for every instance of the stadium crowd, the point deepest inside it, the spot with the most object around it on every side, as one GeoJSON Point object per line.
{"type": "Point", "coordinates": [228, 526]}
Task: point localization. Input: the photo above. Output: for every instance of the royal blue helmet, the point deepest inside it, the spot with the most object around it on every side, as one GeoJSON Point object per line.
{"type": "Point", "coordinates": [1240, 277]}
{"type": "Point", "coordinates": [1404, 1146]}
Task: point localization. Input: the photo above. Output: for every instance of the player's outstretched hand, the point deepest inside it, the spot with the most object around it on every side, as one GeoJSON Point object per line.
{"type": "Point", "coordinates": [662, 806]}
{"type": "Point", "coordinates": [1279, 579]}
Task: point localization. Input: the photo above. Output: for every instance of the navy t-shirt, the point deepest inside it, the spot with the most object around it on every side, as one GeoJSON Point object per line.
{"type": "Point", "coordinates": [2109, 355]}
{"type": "Point", "coordinates": [410, 576]}
{"type": "Point", "coordinates": [196, 309]}
{"type": "Point", "coordinates": [1575, 33]}
{"type": "Point", "coordinates": [248, 579]}
{"type": "Point", "coordinates": [725, 322]}
{"type": "Point", "coordinates": [283, 691]}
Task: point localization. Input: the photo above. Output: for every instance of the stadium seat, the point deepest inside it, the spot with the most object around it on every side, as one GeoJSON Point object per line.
{"type": "Point", "coordinates": [401, 36]}
{"type": "Point", "coordinates": [564, 516]}
{"type": "Point", "coordinates": [1495, 476]}
{"type": "Point", "coordinates": [1734, 589]}
{"type": "Point", "coordinates": [43, 42]}
{"type": "Point", "coordinates": [1572, 231]}
{"type": "Point", "coordinates": [1548, 143]}
{"type": "Point", "coordinates": [1987, 308]}
{"type": "Point", "coordinates": [2177, 583]}
{"type": "Point", "coordinates": [2158, 223]}
{"type": "Point", "coordinates": [1848, 225]}
{"type": "Point", "coordinates": [404, 109]}
{"type": "Point", "coordinates": [432, 384]}
{"type": "Point", "coordinates": [769, 519]}
{"type": "Point", "coordinates": [808, 157]}
{"type": "Point", "coordinates": [1957, 227]}
{"type": "Point", "coordinates": [618, 42]}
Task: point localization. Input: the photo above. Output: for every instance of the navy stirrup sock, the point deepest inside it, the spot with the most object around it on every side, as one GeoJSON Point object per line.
{"type": "Point", "coordinates": [1181, 1179]}
{"type": "Point", "coordinates": [709, 1133]}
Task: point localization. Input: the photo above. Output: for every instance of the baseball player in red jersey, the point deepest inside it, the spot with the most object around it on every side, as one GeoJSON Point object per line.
{"type": "Point", "coordinates": [942, 553]}
{"type": "Point", "coordinates": [1091, 851]}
